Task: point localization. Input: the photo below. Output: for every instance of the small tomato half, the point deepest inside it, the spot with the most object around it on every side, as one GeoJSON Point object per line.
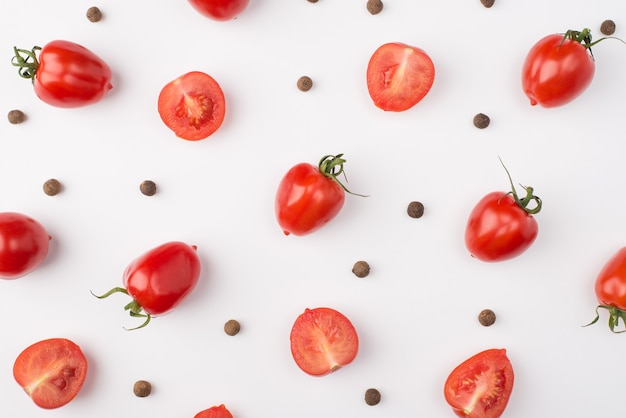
{"type": "Point", "coordinates": [399, 76]}
{"type": "Point", "coordinates": [214, 412]}
{"type": "Point", "coordinates": [193, 106]}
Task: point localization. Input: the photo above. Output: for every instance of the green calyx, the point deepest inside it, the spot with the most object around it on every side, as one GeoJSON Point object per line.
{"type": "Point", "coordinates": [331, 166]}
{"type": "Point", "coordinates": [133, 307]}
{"type": "Point", "coordinates": [615, 314]}
{"type": "Point", "coordinates": [530, 197]}
{"type": "Point", "coordinates": [583, 37]}
{"type": "Point", "coordinates": [26, 61]}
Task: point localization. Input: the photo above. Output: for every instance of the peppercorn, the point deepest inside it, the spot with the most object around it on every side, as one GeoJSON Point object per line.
{"type": "Point", "coordinates": [361, 269]}
{"type": "Point", "coordinates": [148, 188]}
{"type": "Point", "coordinates": [487, 3]}
{"type": "Point", "coordinates": [16, 116]}
{"type": "Point", "coordinates": [372, 396]}
{"type": "Point", "coordinates": [142, 388]}
{"type": "Point", "coordinates": [607, 27]}
{"type": "Point", "coordinates": [481, 121]}
{"type": "Point", "coordinates": [312, 1]}
{"type": "Point", "coordinates": [304, 83]}
{"type": "Point", "coordinates": [486, 317]}
{"type": "Point", "coordinates": [415, 209]}
{"type": "Point", "coordinates": [232, 327]}
{"type": "Point", "coordinates": [52, 187]}
{"type": "Point", "coordinates": [374, 6]}
{"type": "Point", "coordinates": [94, 14]}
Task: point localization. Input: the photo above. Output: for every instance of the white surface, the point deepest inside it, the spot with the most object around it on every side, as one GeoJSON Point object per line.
{"type": "Point", "coordinates": [416, 312]}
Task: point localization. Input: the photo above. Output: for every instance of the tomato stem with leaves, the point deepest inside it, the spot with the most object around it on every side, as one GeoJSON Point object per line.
{"type": "Point", "coordinates": [133, 307]}
{"type": "Point", "coordinates": [26, 67]}
{"type": "Point", "coordinates": [615, 314]}
{"type": "Point", "coordinates": [530, 197]}
{"type": "Point", "coordinates": [583, 37]}
{"type": "Point", "coordinates": [331, 166]}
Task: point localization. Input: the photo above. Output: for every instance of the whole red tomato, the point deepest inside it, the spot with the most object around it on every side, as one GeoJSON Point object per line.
{"type": "Point", "coordinates": [558, 68]}
{"type": "Point", "coordinates": [610, 289]}
{"type": "Point", "coordinates": [501, 225]}
{"type": "Point", "coordinates": [308, 197]}
{"type": "Point", "coordinates": [23, 245]}
{"type": "Point", "coordinates": [220, 9]}
{"type": "Point", "coordinates": [66, 74]}
{"type": "Point", "coordinates": [159, 280]}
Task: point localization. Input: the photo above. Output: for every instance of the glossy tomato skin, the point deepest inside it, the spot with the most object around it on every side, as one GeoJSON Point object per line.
{"type": "Point", "coordinates": [162, 277]}
{"type": "Point", "coordinates": [51, 372]}
{"type": "Point", "coordinates": [399, 76]}
{"type": "Point", "coordinates": [193, 106]}
{"type": "Point", "coordinates": [610, 286]}
{"type": "Point", "coordinates": [214, 412]}
{"type": "Point", "coordinates": [499, 229]}
{"type": "Point", "coordinates": [69, 75]}
{"type": "Point", "coordinates": [306, 200]}
{"type": "Point", "coordinates": [23, 245]}
{"type": "Point", "coordinates": [220, 9]}
{"type": "Point", "coordinates": [481, 386]}
{"type": "Point", "coordinates": [556, 71]}
{"type": "Point", "coordinates": [322, 341]}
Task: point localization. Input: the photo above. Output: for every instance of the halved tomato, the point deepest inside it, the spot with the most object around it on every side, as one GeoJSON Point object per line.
{"type": "Point", "coordinates": [51, 372]}
{"type": "Point", "coordinates": [480, 387]}
{"type": "Point", "coordinates": [214, 412]}
{"type": "Point", "coordinates": [322, 341]}
{"type": "Point", "coordinates": [193, 106]}
{"type": "Point", "coordinates": [399, 76]}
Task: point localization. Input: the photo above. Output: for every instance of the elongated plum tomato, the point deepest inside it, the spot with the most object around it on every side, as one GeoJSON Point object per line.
{"type": "Point", "coordinates": [23, 245]}
{"type": "Point", "coordinates": [220, 9]}
{"type": "Point", "coordinates": [214, 412]}
{"type": "Point", "coordinates": [399, 76]}
{"type": "Point", "coordinates": [51, 372]}
{"type": "Point", "coordinates": [193, 106]}
{"type": "Point", "coordinates": [66, 74]}
{"type": "Point", "coordinates": [558, 68]}
{"type": "Point", "coordinates": [159, 280]}
{"type": "Point", "coordinates": [610, 289]}
{"type": "Point", "coordinates": [322, 341]}
{"type": "Point", "coordinates": [481, 386]}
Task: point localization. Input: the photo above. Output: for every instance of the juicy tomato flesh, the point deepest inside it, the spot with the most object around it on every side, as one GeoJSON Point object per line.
{"type": "Point", "coordinates": [481, 386]}
{"type": "Point", "coordinates": [214, 412]}
{"type": "Point", "coordinates": [610, 286]}
{"type": "Point", "coordinates": [51, 372]}
{"type": "Point", "coordinates": [499, 229]}
{"type": "Point", "coordinates": [193, 106]}
{"type": "Point", "coordinates": [220, 9]}
{"type": "Point", "coordinates": [23, 245]}
{"type": "Point", "coordinates": [322, 341]}
{"type": "Point", "coordinates": [306, 200]}
{"type": "Point", "coordinates": [399, 76]}
{"type": "Point", "coordinates": [556, 71]}
{"type": "Point", "coordinates": [161, 278]}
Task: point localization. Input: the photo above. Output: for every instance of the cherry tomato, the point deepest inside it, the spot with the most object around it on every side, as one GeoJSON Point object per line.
{"type": "Point", "coordinates": [610, 288]}
{"type": "Point", "coordinates": [220, 9]}
{"type": "Point", "coordinates": [501, 226]}
{"type": "Point", "coordinates": [159, 280]}
{"type": "Point", "coordinates": [51, 372]}
{"type": "Point", "coordinates": [23, 245]}
{"type": "Point", "coordinates": [399, 76]}
{"type": "Point", "coordinates": [193, 106]}
{"type": "Point", "coordinates": [308, 197]}
{"type": "Point", "coordinates": [558, 68]}
{"type": "Point", "coordinates": [66, 74]}
{"type": "Point", "coordinates": [322, 341]}
{"type": "Point", "coordinates": [214, 412]}
{"type": "Point", "coordinates": [481, 386]}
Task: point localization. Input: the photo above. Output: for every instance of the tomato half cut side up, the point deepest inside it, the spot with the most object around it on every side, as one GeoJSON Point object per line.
{"type": "Point", "coordinates": [51, 372]}
{"type": "Point", "coordinates": [214, 412]}
{"type": "Point", "coordinates": [480, 387]}
{"type": "Point", "coordinates": [193, 106]}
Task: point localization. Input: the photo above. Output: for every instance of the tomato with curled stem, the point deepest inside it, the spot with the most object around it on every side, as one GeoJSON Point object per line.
{"type": "Point", "coordinates": [220, 9]}
{"type": "Point", "coordinates": [610, 290]}
{"type": "Point", "coordinates": [159, 280]}
{"type": "Point", "coordinates": [480, 387]}
{"type": "Point", "coordinates": [24, 245]}
{"type": "Point", "coordinates": [65, 74]}
{"type": "Point", "coordinates": [214, 412]}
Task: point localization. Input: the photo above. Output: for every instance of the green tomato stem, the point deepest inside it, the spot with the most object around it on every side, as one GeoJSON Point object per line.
{"type": "Point", "coordinates": [615, 314]}
{"type": "Point", "coordinates": [28, 65]}
{"type": "Point", "coordinates": [530, 197]}
{"type": "Point", "coordinates": [133, 307]}
{"type": "Point", "coordinates": [331, 166]}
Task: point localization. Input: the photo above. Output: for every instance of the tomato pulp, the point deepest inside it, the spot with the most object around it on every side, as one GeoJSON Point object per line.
{"type": "Point", "coordinates": [23, 245]}
{"type": "Point", "coordinates": [220, 9]}
{"type": "Point", "coordinates": [214, 412]}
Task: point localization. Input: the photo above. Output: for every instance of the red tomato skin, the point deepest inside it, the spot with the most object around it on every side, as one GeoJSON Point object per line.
{"type": "Point", "coordinates": [51, 372]}
{"type": "Point", "coordinates": [399, 76]}
{"type": "Point", "coordinates": [69, 75]}
{"type": "Point", "coordinates": [306, 200]}
{"type": "Point", "coordinates": [214, 412]}
{"type": "Point", "coordinates": [556, 71]}
{"type": "Point", "coordinates": [161, 278]}
{"type": "Point", "coordinates": [491, 367]}
{"type": "Point", "coordinates": [498, 229]}
{"type": "Point", "coordinates": [610, 285]}
{"type": "Point", "coordinates": [24, 245]}
{"type": "Point", "coordinates": [220, 9]}
{"type": "Point", "coordinates": [193, 106]}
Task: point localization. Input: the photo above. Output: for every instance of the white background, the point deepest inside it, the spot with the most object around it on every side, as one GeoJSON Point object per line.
{"type": "Point", "coordinates": [416, 312]}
